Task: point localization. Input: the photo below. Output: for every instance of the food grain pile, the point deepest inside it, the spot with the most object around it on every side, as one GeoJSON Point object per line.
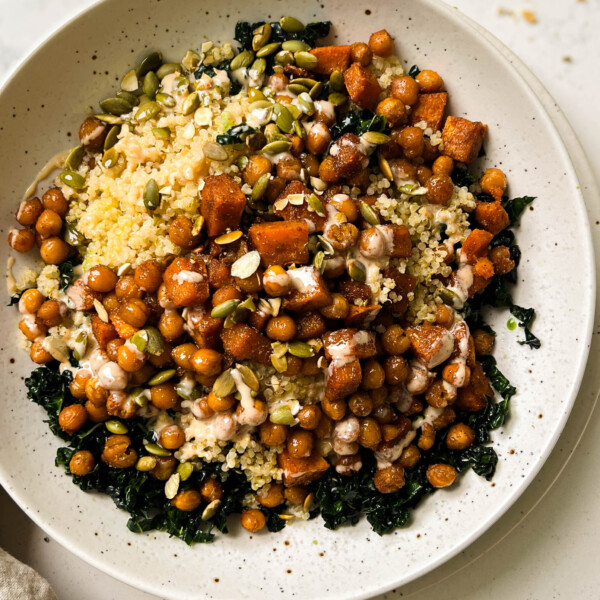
{"type": "Point", "coordinates": [264, 269]}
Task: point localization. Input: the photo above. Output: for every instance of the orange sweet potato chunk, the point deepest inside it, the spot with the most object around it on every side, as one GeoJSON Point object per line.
{"type": "Point", "coordinates": [431, 344]}
{"type": "Point", "coordinates": [476, 245]}
{"type": "Point", "coordinates": [362, 86]}
{"type": "Point", "coordinates": [361, 315]}
{"type": "Point", "coordinates": [430, 108]}
{"type": "Point", "coordinates": [123, 329]}
{"type": "Point", "coordinates": [483, 267]}
{"type": "Point", "coordinates": [280, 242]}
{"type": "Point", "coordinates": [462, 139]}
{"type": "Point", "coordinates": [299, 212]}
{"type": "Point", "coordinates": [243, 342]}
{"type": "Point", "coordinates": [331, 58]}
{"type": "Point", "coordinates": [310, 290]}
{"type": "Point", "coordinates": [222, 204]}
{"type": "Point", "coordinates": [343, 379]}
{"type": "Point", "coordinates": [492, 216]}
{"type": "Point", "coordinates": [205, 329]}
{"type": "Point", "coordinates": [103, 332]}
{"type": "Point", "coordinates": [402, 244]}
{"type": "Point", "coordinates": [186, 280]}
{"type": "Point", "coordinates": [404, 285]}
{"type": "Point", "coordinates": [301, 471]}
{"type": "Point", "coordinates": [473, 396]}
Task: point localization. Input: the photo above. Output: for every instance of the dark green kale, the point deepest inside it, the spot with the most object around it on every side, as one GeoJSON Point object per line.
{"type": "Point", "coordinates": [414, 71]}
{"type": "Point", "coordinates": [516, 206]}
{"type": "Point", "coordinates": [462, 177]}
{"type": "Point", "coordinates": [14, 299]}
{"type": "Point", "coordinates": [66, 273]}
{"type": "Point", "coordinates": [235, 135]}
{"type": "Point", "coordinates": [358, 123]}
{"type": "Point", "coordinates": [234, 86]}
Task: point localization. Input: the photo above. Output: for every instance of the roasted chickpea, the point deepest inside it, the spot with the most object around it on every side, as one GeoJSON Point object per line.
{"type": "Point", "coordinates": [381, 43]}
{"type": "Point", "coordinates": [459, 437]}
{"type": "Point", "coordinates": [493, 181]}
{"type": "Point", "coordinates": [253, 519]}
{"type": "Point", "coordinates": [220, 404]}
{"type": "Point", "coordinates": [54, 199]}
{"type": "Point", "coordinates": [439, 189]}
{"type": "Point", "coordinates": [274, 188]}
{"type": "Point", "coordinates": [180, 233]}
{"type": "Point", "coordinates": [187, 501]}
{"type": "Point", "coordinates": [484, 342]}
{"type": "Point", "coordinates": [272, 496]}
{"type": "Point", "coordinates": [309, 416]}
{"type": "Point", "coordinates": [281, 328]}
{"type": "Point", "coordinates": [456, 375]}
{"type": "Point", "coordinates": [299, 443]}
{"type": "Point", "coordinates": [310, 366]}
{"type": "Point", "coordinates": [383, 414]}
{"type": "Point", "coordinates": [444, 315]}
{"type": "Point", "coordinates": [338, 309]}
{"type": "Point", "coordinates": [405, 89]}
{"type": "Point", "coordinates": [135, 312]}
{"type": "Point", "coordinates": [309, 162]}
{"type": "Point", "coordinates": [29, 212]}
{"type": "Point", "coordinates": [429, 82]}
{"type": "Point", "coordinates": [31, 300]}
{"type": "Point", "coordinates": [163, 359]}
{"type": "Point", "coordinates": [276, 281]}
{"type": "Point", "coordinates": [164, 396]}
{"type": "Point", "coordinates": [289, 168]}
{"type": "Point", "coordinates": [297, 145]}
{"type": "Point", "coordinates": [411, 140]}
{"type": "Point", "coordinates": [148, 276]}
{"type": "Point", "coordinates": [165, 465]}
{"type": "Point", "coordinates": [110, 302]}
{"type": "Point", "coordinates": [171, 437]}
{"type": "Point", "coordinates": [393, 110]}
{"type": "Point", "coordinates": [92, 133]}
{"type": "Point", "coordinates": [295, 495]}
{"type": "Point", "coordinates": [423, 174]}
{"type": "Point", "coordinates": [378, 396]}
{"type": "Point", "coordinates": [441, 476]}
{"type": "Point", "coordinates": [77, 386]}
{"type": "Point", "coordinates": [22, 240]}
{"type": "Point", "coordinates": [96, 414]}
{"type": "Point", "coordinates": [127, 289]}
{"type": "Point", "coordinates": [345, 205]}
{"type": "Point", "coordinates": [318, 138]}
{"type": "Point", "coordinates": [361, 53]}
{"type": "Point", "coordinates": [342, 235]}
{"type": "Point", "coordinates": [171, 325]}
{"type": "Point", "coordinates": [129, 358]}
{"type": "Point", "coordinates": [278, 82]}
{"type": "Point", "coordinates": [272, 434]}
{"type": "Point", "coordinates": [360, 404]}
{"type": "Point", "coordinates": [396, 370]}
{"type": "Point", "coordinates": [48, 224]}
{"type": "Point", "coordinates": [225, 293]}
{"type": "Point", "coordinates": [207, 362]}
{"type": "Point", "coordinates": [370, 433]}
{"type": "Point", "coordinates": [51, 313]}
{"type": "Point", "coordinates": [439, 395]}
{"type": "Point", "coordinates": [395, 341]}
{"type": "Point", "coordinates": [81, 463]}
{"type": "Point", "coordinates": [373, 375]}
{"type": "Point", "coordinates": [390, 479]}
{"type": "Point", "coordinates": [257, 166]}
{"type": "Point", "coordinates": [250, 285]}
{"type": "Point", "coordinates": [324, 428]}
{"type": "Point", "coordinates": [410, 457]}
{"type": "Point", "coordinates": [427, 437]}
{"type": "Point", "coordinates": [72, 418]}
{"type": "Point", "coordinates": [95, 393]}
{"type": "Point", "coordinates": [54, 250]}
{"type": "Point", "coordinates": [211, 489]}
{"type": "Point", "coordinates": [117, 452]}
{"type": "Point", "coordinates": [182, 355]}
{"type": "Point", "coordinates": [443, 165]}
{"type": "Point", "coordinates": [294, 365]}
{"type": "Point", "coordinates": [102, 279]}
{"type": "Point", "coordinates": [334, 409]}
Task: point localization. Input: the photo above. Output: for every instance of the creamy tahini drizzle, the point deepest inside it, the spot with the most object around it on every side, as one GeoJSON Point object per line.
{"type": "Point", "coordinates": [56, 162]}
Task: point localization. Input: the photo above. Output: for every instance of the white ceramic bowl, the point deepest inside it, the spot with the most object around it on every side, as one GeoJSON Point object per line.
{"type": "Point", "coordinates": [40, 110]}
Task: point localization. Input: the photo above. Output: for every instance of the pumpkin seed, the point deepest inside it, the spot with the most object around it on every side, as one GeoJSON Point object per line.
{"type": "Point", "coordinates": [336, 81]}
{"type": "Point", "coordinates": [116, 427]}
{"type": "Point", "coordinates": [283, 414]}
{"type": "Point", "coordinates": [215, 152]}
{"type": "Point", "coordinates": [140, 340]}
{"type": "Point", "coordinates": [243, 59]}
{"type": "Point", "coordinates": [267, 49]}
{"type": "Point", "coordinates": [413, 189]}
{"type": "Point", "coordinates": [316, 90]}
{"type": "Point", "coordinates": [115, 106]}
{"type": "Point", "coordinates": [72, 179]}
{"type": "Point", "coordinates": [162, 133]}
{"type": "Point", "coordinates": [314, 202]}
{"type": "Point", "coordinates": [297, 88]}
{"type": "Point", "coordinates": [143, 99]}
{"type": "Point", "coordinates": [299, 130]}
{"type": "Point", "coordinates": [295, 46]}
{"type": "Point", "coordinates": [284, 58]}
{"type": "Point", "coordinates": [101, 311]}
{"type": "Point", "coordinates": [255, 95]}
{"type": "Point", "coordinates": [368, 213]}
{"type": "Point", "coordinates": [448, 296]}
{"type": "Point", "coordinates": [146, 463]}
{"type": "Point", "coordinates": [291, 25]}
{"type": "Point", "coordinates": [211, 510]}
{"type": "Point", "coordinates": [185, 470]}
{"type": "Point", "coordinates": [191, 60]}
{"type": "Point", "coordinates": [80, 346]}
{"type": "Point", "coordinates": [318, 260]}
{"type": "Point", "coordinates": [258, 68]}
{"type": "Point", "coordinates": [279, 349]}
{"type": "Point", "coordinates": [326, 245]}
{"type": "Point", "coordinates": [384, 167]}
{"type": "Point", "coordinates": [162, 377]}
{"type": "Point", "coordinates": [300, 349]}
{"type": "Point", "coordinates": [181, 84]}
{"type": "Point", "coordinates": [277, 146]}
{"type": "Point", "coordinates": [246, 265]}
{"type": "Point", "coordinates": [74, 158]}
{"type": "Point", "coordinates": [130, 82]}
{"type": "Point", "coordinates": [167, 69]}
{"type": "Point", "coordinates": [306, 104]}
{"type": "Point", "coordinates": [305, 60]}
{"type": "Point", "coordinates": [376, 138]}
{"type": "Point", "coordinates": [262, 35]}
{"type": "Point", "coordinates": [260, 187]}
{"type": "Point", "coordinates": [183, 390]}
{"type": "Point", "coordinates": [147, 111]}
{"type": "Point", "coordinates": [129, 97]}
{"type": "Point", "coordinates": [150, 63]}
{"type": "Point", "coordinates": [110, 119]}
{"type": "Point", "coordinates": [248, 377]}
{"type": "Point", "coordinates": [172, 486]}
{"type": "Point", "coordinates": [190, 104]}
{"type": "Point", "coordinates": [166, 100]}
{"type": "Point", "coordinates": [156, 449]}
{"type": "Point", "coordinates": [308, 502]}
{"type": "Point", "coordinates": [72, 236]}
{"type": "Point", "coordinates": [307, 82]}
{"type": "Point", "coordinates": [224, 384]}
{"type": "Point", "coordinates": [156, 342]}
{"type": "Point", "coordinates": [198, 224]}
{"type": "Point", "coordinates": [151, 195]}
{"type": "Point", "coordinates": [241, 162]}
{"type": "Point", "coordinates": [138, 396]}
{"type": "Point", "coordinates": [337, 99]}
{"type": "Point", "coordinates": [151, 84]}
{"type": "Point", "coordinates": [228, 238]}
{"type": "Point", "coordinates": [110, 158]}
{"type": "Point", "coordinates": [224, 309]}
{"type": "Point", "coordinates": [112, 137]}
{"type": "Point", "coordinates": [272, 133]}
{"type": "Point", "coordinates": [283, 118]}
{"type": "Point", "coordinates": [357, 270]}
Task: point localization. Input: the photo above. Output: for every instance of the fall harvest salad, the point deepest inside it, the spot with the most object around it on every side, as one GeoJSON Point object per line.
{"type": "Point", "coordinates": [264, 269]}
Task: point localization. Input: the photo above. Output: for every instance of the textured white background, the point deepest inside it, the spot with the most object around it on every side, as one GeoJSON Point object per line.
{"type": "Point", "coordinates": [553, 552]}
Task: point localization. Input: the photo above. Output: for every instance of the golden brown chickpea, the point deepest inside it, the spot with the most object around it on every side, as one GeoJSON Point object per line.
{"type": "Point", "coordinates": [32, 330]}
{"type": "Point", "coordinates": [429, 82]}
{"type": "Point", "coordinates": [95, 393]}
{"type": "Point", "coordinates": [130, 359]}
{"type": "Point", "coordinates": [393, 110]}
{"type": "Point", "coordinates": [102, 279]}
{"type": "Point", "coordinates": [81, 463]}
{"type": "Point", "coordinates": [423, 174]}
{"type": "Point", "coordinates": [297, 145]}
{"type": "Point", "coordinates": [443, 165]}
{"type": "Point", "coordinates": [21, 240]}
{"type": "Point", "coordinates": [310, 366]}
{"type": "Point", "coordinates": [427, 437]}
{"type": "Point", "coordinates": [148, 276]}
{"type": "Point", "coordinates": [484, 342]}
{"type": "Point", "coordinates": [257, 166]}
{"type": "Point", "coordinates": [373, 375]}
{"type": "Point", "coordinates": [300, 442]}
{"type": "Point", "coordinates": [324, 428]}
{"type": "Point", "coordinates": [180, 233]}
{"type": "Point", "coordinates": [77, 386]}
{"type": "Point", "coordinates": [276, 281]}
{"type": "Point", "coordinates": [48, 224]}
{"type": "Point", "coordinates": [370, 433]}
{"type": "Point", "coordinates": [225, 293]}
{"type": "Point", "coordinates": [117, 452]}
{"type": "Point", "coordinates": [187, 501]}
{"type": "Point", "coordinates": [29, 212]}
{"type": "Point", "coordinates": [444, 315]}
{"type": "Point", "coordinates": [295, 495]}
{"type": "Point", "coordinates": [275, 187]}
{"type": "Point", "coordinates": [441, 476]}
{"type": "Point", "coordinates": [411, 140]}
{"type": "Point", "coordinates": [135, 312]}
{"type": "Point", "coordinates": [278, 82]}
{"type": "Point", "coordinates": [112, 348]}
{"type": "Point", "coordinates": [72, 418]}
{"type": "Point", "coordinates": [51, 313]}
{"type": "Point", "coordinates": [439, 395]}
{"type": "Point", "coordinates": [165, 465]}
{"type": "Point", "coordinates": [110, 302]}
{"type": "Point", "coordinates": [439, 189]}
{"type": "Point", "coordinates": [171, 325]}
{"type": "Point", "coordinates": [383, 414]}
{"type": "Point", "coordinates": [360, 404]}
{"type": "Point", "coordinates": [338, 309]}
{"type": "Point", "coordinates": [456, 375]}
{"type": "Point", "coordinates": [92, 133]}
{"type": "Point", "coordinates": [207, 362]}
{"type": "Point", "coordinates": [309, 162]}
{"type": "Point", "coordinates": [459, 437]}
{"type": "Point", "coordinates": [163, 359]}
{"type": "Point", "coordinates": [211, 489]}
{"type": "Point", "coordinates": [272, 434]}
{"type": "Point", "coordinates": [96, 414]}
{"type": "Point", "coordinates": [390, 479]}
{"type": "Point", "coordinates": [54, 199]}
{"type": "Point", "coordinates": [281, 328]}
{"type": "Point", "coordinates": [54, 251]}
{"type": "Point", "coordinates": [253, 519]}
{"type": "Point", "coordinates": [164, 396]}
{"type": "Point", "coordinates": [318, 138]}
{"type": "Point", "coordinates": [410, 457]}
{"type": "Point", "coordinates": [250, 285]}
{"type": "Point", "coordinates": [171, 437]}
{"type": "Point", "coordinates": [272, 496]}
{"type": "Point", "coordinates": [289, 168]}
{"type": "Point", "coordinates": [294, 365]}
{"type": "Point", "coordinates": [361, 53]}
{"type": "Point", "coordinates": [395, 341]}
{"type": "Point", "coordinates": [379, 396]}
{"type": "Point", "coordinates": [405, 89]}
{"type": "Point", "coordinates": [182, 355]}
{"type": "Point", "coordinates": [334, 409]}
{"type": "Point", "coordinates": [345, 205]}
{"type": "Point", "coordinates": [381, 43]}
{"type": "Point", "coordinates": [31, 300]}
{"type": "Point", "coordinates": [309, 416]}
{"type": "Point", "coordinates": [492, 181]}
{"type": "Point", "coordinates": [396, 370]}
{"type": "Point", "coordinates": [220, 404]}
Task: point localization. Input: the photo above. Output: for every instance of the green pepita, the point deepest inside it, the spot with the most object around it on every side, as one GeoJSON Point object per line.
{"type": "Point", "coordinates": [143, 99]}
{"type": "Point", "coordinates": [181, 84]}
{"type": "Point", "coordinates": [318, 260]}
{"type": "Point", "coordinates": [168, 69]}
{"type": "Point", "coordinates": [295, 46]}
{"type": "Point", "coordinates": [80, 346]}
{"type": "Point", "coordinates": [307, 82]}
{"type": "Point", "coordinates": [282, 415]}
{"type": "Point", "coordinates": [151, 84]}
{"type": "Point", "coordinates": [211, 510]}
{"type": "Point", "coordinates": [243, 59]}
{"type": "Point", "coordinates": [224, 309]}
{"type": "Point", "coordinates": [305, 60]}
{"type": "Point", "coordinates": [291, 25]}
{"type": "Point", "coordinates": [258, 68]}
{"type": "Point", "coordinates": [191, 60]}
{"type": "Point", "coordinates": [129, 97]}
{"type": "Point", "coordinates": [162, 133]}
{"type": "Point", "coordinates": [116, 106]}
{"type": "Point", "coordinates": [260, 187]}
{"type": "Point", "coordinates": [224, 384]}
{"type": "Point", "coordinates": [284, 57]}
{"type": "Point", "coordinates": [255, 95]}
{"type": "Point", "coordinates": [151, 195]}
{"type": "Point", "coordinates": [357, 270]}
{"type": "Point", "coordinates": [74, 158]}
{"type": "Point", "coordinates": [267, 49]}
{"type": "Point", "coordinates": [326, 245]}
{"type": "Point", "coordinates": [112, 137]}
{"type": "Point", "coordinates": [146, 463]}
{"type": "Point", "coordinates": [198, 224]}
{"type": "Point", "coordinates": [300, 349]}
{"type": "Point", "coordinates": [162, 377]}
{"type": "Point", "coordinates": [72, 236]}
{"type": "Point", "coordinates": [375, 137]}
{"type": "Point", "coordinates": [140, 340]}
{"type": "Point", "coordinates": [156, 449]}
{"type": "Point", "coordinates": [139, 397]}
{"type": "Point", "coordinates": [314, 203]}
{"type": "Point", "coordinates": [248, 304]}
{"type": "Point", "coordinates": [262, 35]}
{"type": "Point", "coordinates": [308, 502]}
{"type": "Point", "coordinates": [115, 426]}
{"type": "Point", "coordinates": [190, 104]}
{"type": "Point", "coordinates": [130, 82]}
{"type": "Point", "coordinates": [336, 82]}
{"type": "Point", "coordinates": [166, 100]}
{"type": "Point", "coordinates": [316, 90]}
{"type": "Point", "coordinates": [215, 152]}
{"type": "Point", "coordinates": [150, 63]}
{"type": "Point", "coordinates": [306, 104]}
{"type": "Point", "coordinates": [297, 88]}
{"type": "Point", "coordinates": [386, 170]}
{"type": "Point", "coordinates": [248, 377]}
{"type": "Point", "coordinates": [448, 296]}
{"type": "Point", "coordinates": [246, 265]}
{"type": "Point", "coordinates": [183, 390]}
{"type": "Point", "coordinates": [368, 213]}
{"type": "Point", "coordinates": [283, 118]}
{"type": "Point", "coordinates": [277, 146]}
{"type": "Point", "coordinates": [147, 111]}
{"type": "Point", "coordinates": [299, 130]}
{"type": "Point", "coordinates": [72, 179]}
{"type": "Point", "coordinates": [228, 238]}
{"type": "Point", "coordinates": [108, 118]}
{"type": "Point", "coordinates": [337, 99]}
{"type": "Point", "coordinates": [185, 470]}
{"type": "Point", "coordinates": [110, 158]}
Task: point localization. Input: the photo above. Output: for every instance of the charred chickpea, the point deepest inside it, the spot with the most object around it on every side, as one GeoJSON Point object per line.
{"type": "Point", "coordinates": [22, 240]}
{"type": "Point", "coordinates": [102, 279]}
{"type": "Point", "coordinates": [272, 434]}
{"type": "Point", "coordinates": [310, 366]}
{"type": "Point", "coordinates": [31, 300]}
{"type": "Point", "coordinates": [211, 489]}
{"type": "Point", "coordinates": [396, 370]}
{"type": "Point", "coordinates": [180, 233]}
{"type": "Point", "coordinates": [148, 276]}
{"type": "Point", "coordinates": [135, 312]}
{"type": "Point", "coordinates": [429, 81]}
{"type": "Point", "coordinates": [253, 519]}
{"type": "Point", "coordinates": [112, 348]}
{"type": "Point", "coordinates": [370, 433]}
{"type": "Point", "coordinates": [171, 437]}
{"type": "Point", "coordinates": [127, 289]}
{"type": "Point", "coordinates": [423, 174]}
{"type": "Point", "coordinates": [493, 180]}
{"type": "Point", "coordinates": [164, 396]}
{"type": "Point", "coordinates": [373, 375]}
{"type": "Point", "coordinates": [48, 224]}
{"type": "Point", "coordinates": [187, 501]}
{"type": "Point", "coordinates": [165, 465]}
{"type": "Point", "coordinates": [309, 416]}
{"type": "Point", "coordinates": [207, 361]}
{"type": "Point", "coordinates": [334, 409]}
{"type": "Point", "coordinates": [276, 281]}
{"type": "Point", "coordinates": [443, 165]}
{"type": "Point", "coordinates": [338, 309]}
{"type": "Point", "coordinates": [182, 355]}
{"type": "Point", "coordinates": [256, 167]}
{"type": "Point", "coordinates": [444, 315]}
{"type": "Point", "coordinates": [360, 404]}
{"type": "Point", "coordinates": [289, 168]}
{"type": "Point", "coordinates": [54, 199]}
{"type": "Point", "coordinates": [130, 359]}
{"type": "Point", "coordinates": [72, 418]}
{"type": "Point", "coordinates": [77, 386]}
{"type": "Point", "coordinates": [395, 341]}
{"type": "Point", "coordinates": [393, 110]}
{"type": "Point", "coordinates": [410, 457]}
{"type": "Point", "coordinates": [405, 89]}
{"type": "Point", "coordinates": [227, 292]}
{"type": "Point", "coordinates": [95, 393]}
{"type": "Point", "coordinates": [272, 496]}
{"type": "Point", "coordinates": [441, 476]}
{"type": "Point", "coordinates": [294, 365]}
{"type": "Point", "coordinates": [96, 414]}
{"type": "Point", "coordinates": [110, 302]}
{"type": "Point", "coordinates": [459, 437]}
{"type": "Point", "coordinates": [92, 133]}
{"type": "Point", "coordinates": [81, 463]}
{"type": "Point", "coordinates": [345, 205]}
{"type": "Point", "coordinates": [383, 414]}
{"type": "Point", "coordinates": [381, 43]}
{"type": "Point", "coordinates": [439, 189]}
{"type": "Point", "coordinates": [484, 342]}
{"type": "Point", "coordinates": [379, 396]}
{"type": "Point", "coordinates": [411, 140]}
{"type": "Point", "coordinates": [361, 53]}
{"type": "Point", "coordinates": [300, 442]}
{"type": "Point", "coordinates": [390, 479]}
{"type": "Point", "coordinates": [29, 212]}
{"type": "Point", "coordinates": [324, 428]}
{"type": "Point", "coordinates": [281, 328]}
{"type": "Point", "coordinates": [295, 495]}
{"type": "Point", "coordinates": [427, 437]}
{"type": "Point", "coordinates": [318, 138]}
{"type": "Point", "coordinates": [171, 325]}
{"type": "Point", "coordinates": [220, 403]}
{"type": "Point", "coordinates": [51, 313]}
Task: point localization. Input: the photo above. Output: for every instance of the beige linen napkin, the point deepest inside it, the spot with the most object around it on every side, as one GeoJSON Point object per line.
{"type": "Point", "coordinates": [20, 582]}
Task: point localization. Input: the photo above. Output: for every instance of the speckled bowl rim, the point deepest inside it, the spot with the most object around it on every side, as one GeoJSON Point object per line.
{"type": "Point", "coordinates": [525, 75]}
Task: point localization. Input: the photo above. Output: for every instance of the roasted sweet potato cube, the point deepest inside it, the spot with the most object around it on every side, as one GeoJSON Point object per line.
{"type": "Point", "coordinates": [309, 326]}
{"type": "Point", "coordinates": [245, 343]}
{"type": "Point", "coordinates": [462, 139]}
{"type": "Point", "coordinates": [186, 280]}
{"type": "Point", "coordinates": [347, 156]}
{"type": "Point", "coordinates": [222, 204]}
{"type": "Point", "coordinates": [483, 267]}
{"type": "Point", "coordinates": [492, 216]}
{"type": "Point", "coordinates": [310, 290]}
{"type": "Point", "coordinates": [430, 108]}
{"type": "Point", "coordinates": [331, 58]}
{"type": "Point", "coordinates": [345, 344]}
{"type": "Point", "coordinates": [123, 329]}
{"type": "Point", "coordinates": [301, 471]}
{"type": "Point", "coordinates": [478, 284]}
{"type": "Point", "coordinates": [361, 315]}
{"type": "Point", "coordinates": [404, 285]}
{"type": "Point", "coordinates": [354, 291]}
{"type": "Point", "coordinates": [362, 86]}
{"type": "Point", "coordinates": [82, 296]}
{"type": "Point", "coordinates": [473, 396]}
{"type": "Point", "coordinates": [431, 344]}
{"type": "Point", "coordinates": [219, 274]}
{"type": "Point", "coordinates": [280, 242]}
{"type": "Point", "coordinates": [343, 379]}
{"type": "Point", "coordinates": [401, 246]}
{"type": "Point", "coordinates": [103, 332]}
{"type": "Point", "coordinates": [299, 212]}
{"type": "Point", "coordinates": [205, 330]}
{"type": "Point", "coordinates": [476, 245]}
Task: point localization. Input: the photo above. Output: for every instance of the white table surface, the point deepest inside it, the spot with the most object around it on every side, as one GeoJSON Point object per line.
{"type": "Point", "coordinates": [552, 551]}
